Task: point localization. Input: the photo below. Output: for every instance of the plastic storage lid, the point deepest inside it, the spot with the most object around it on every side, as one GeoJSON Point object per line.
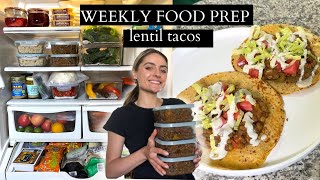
{"type": "Point", "coordinates": [15, 8]}
{"type": "Point", "coordinates": [179, 106]}
{"type": "Point", "coordinates": [64, 43]}
{"type": "Point", "coordinates": [64, 55]}
{"type": "Point", "coordinates": [31, 55]}
{"type": "Point", "coordinates": [171, 125]}
{"type": "Point", "coordinates": [31, 42]}
{"type": "Point", "coordinates": [180, 159]}
{"type": "Point", "coordinates": [172, 143]}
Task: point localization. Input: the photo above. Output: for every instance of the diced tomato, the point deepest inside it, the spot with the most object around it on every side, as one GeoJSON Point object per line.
{"type": "Point", "coordinates": [292, 69]}
{"type": "Point", "coordinates": [225, 115]}
{"type": "Point", "coordinates": [265, 42]}
{"type": "Point", "coordinates": [242, 61]}
{"type": "Point", "coordinates": [245, 106]}
{"type": "Point", "coordinates": [278, 67]}
{"type": "Point", "coordinates": [234, 144]}
{"type": "Point", "coordinates": [235, 115]}
{"type": "Point", "coordinates": [224, 87]}
{"type": "Point", "coordinates": [254, 73]}
{"type": "Point", "coordinates": [223, 120]}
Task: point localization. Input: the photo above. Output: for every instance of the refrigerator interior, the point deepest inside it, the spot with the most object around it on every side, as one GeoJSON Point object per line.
{"type": "Point", "coordinates": [8, 58]}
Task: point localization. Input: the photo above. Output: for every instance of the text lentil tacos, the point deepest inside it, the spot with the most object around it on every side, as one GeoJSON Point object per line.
{"type": "Point", "coordinates": [286, 56]}
{"type": "Point", "coordinates": [241, 119]}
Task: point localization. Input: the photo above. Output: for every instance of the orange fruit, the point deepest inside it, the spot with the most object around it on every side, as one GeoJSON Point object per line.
{"type": "Point", "coordinates": [57, 127]}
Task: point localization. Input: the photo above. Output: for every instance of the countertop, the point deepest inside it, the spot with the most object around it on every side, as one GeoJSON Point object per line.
{"type": "Point", "coordinates": [296, 12]}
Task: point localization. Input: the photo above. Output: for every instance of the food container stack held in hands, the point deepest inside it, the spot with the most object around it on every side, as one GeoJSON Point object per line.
{"type": "Point", "coordinates": [176, 135]}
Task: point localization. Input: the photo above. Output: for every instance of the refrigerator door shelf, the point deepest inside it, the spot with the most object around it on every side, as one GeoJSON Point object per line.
{"type": "Point", "coordinates": [74, 125]}
{"type": "Point", "coordinates": [94, 118]}
{"type": "Point", "coordinates": [12, 175]}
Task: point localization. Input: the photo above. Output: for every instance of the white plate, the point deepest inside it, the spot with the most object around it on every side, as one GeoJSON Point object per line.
{"type": "Point", "coordinates": [301, 132]}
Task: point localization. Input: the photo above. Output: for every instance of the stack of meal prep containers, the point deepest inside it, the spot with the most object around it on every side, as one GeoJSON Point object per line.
{"type": "Point", "coordinates": [64, 53]}
{"type": "Point", "coordinates": [62, 17]}
{"type": "Point", "coordinates": [176, 135]}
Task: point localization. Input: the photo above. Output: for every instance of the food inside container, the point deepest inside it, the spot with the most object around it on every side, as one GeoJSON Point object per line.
{"type": "Point", "coordinates": [173, 113]}
{"type": "Point", "coordinates": [30, 47]}
{"type": "Point", "coordinates": [102, 55]}
{"type": "Point", "coordinates": [177, 148]}
{"type": "Point", "coordinates": [179, 166]}
{"type": "Point", "coordinates": [38, 17]}
{"type": "Point", "coordinates": [104, 90]}
{"type": "Point", "coordinates": [58, 23]}
{"type": "Point", "coordinates": [100, 34]}
{"type": "Point", "coordinates": [64, 47]}
{"type": "Point", "coordinates": [64, 59]}
{"type": "Point", "coordinates": [175, 131]}
{"type": "Point", "coordinates": [15, 17]}
{"type": "Point", "coordinates": [62, 11]}
{"type": "Point", "coordinates": [27, 159]}
{"type": "Point", "coordinates": [97, 120]}
{"type": "Point", "coordinates": [64, 92]}
{"type": "Point", "coordinates": [32, 59]}
{"type": "Point", "coordinates": [65, 17]}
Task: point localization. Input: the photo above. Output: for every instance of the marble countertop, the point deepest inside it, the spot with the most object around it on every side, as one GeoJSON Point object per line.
{"type": "Point", "coordinates": [295, 12]}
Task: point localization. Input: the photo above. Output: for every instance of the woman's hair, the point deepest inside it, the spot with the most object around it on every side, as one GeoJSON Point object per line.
{"type": "Point", "coordinates": [134, 94]}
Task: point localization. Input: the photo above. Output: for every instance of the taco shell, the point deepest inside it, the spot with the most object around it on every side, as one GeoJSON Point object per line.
{"type": "Point", "coordinates": [288, 87]}
{"type": "Point", "coordinates": [248, 157]}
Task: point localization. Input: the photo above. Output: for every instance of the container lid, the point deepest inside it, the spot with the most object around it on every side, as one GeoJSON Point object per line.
{"type": "Point", "coordinates": [172, 143]}
{"type": "Point", "coordinates": [179, 106]}
{"type": "Point", "coordinates": [170, 125]}
{"type": "Point", "coordinates": [64, 43]}
{"type": "Point", "coordinates": [15, 8]}
{"type": "Point", "coordinates": [64, 55]}
{"type": "Point", "coordinates": [31, 42]}
{"type": "Point", "coordinates": [15, 77]}
{"type": "Point", "coordinates": [180, 159]}
{"type": "Point", "coordinates": [38, 10]}
{"type": "Point", "coordinates": [31, 55]}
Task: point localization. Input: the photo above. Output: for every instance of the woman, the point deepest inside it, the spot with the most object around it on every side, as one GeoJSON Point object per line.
{"type": "Point", "coordinates": [132, 124]}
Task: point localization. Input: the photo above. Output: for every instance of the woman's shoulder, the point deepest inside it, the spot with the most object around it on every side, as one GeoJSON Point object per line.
{"type": "Point", "coordinates": [172, 101]}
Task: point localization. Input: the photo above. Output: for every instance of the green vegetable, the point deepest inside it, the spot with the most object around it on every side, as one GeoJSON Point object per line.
{"type": "Point", "coordinates": [101, 34]}
{"type": "Point", "coordinates": [110, 56]}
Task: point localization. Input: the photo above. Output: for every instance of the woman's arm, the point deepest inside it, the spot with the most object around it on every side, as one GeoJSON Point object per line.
{"type": "Point", "coordinates": [117, 166]}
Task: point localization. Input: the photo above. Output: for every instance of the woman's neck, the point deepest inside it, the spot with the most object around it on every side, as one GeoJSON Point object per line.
{"type": "Point", "coordinates": [148, 100]}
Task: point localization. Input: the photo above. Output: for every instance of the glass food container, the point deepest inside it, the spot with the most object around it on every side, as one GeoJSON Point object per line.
{"type": "Point", "coordinates": [38, 17]}
{"type": "Point", "coordinates": [15, 17]}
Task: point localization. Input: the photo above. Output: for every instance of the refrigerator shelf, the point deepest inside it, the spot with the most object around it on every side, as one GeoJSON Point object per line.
{"type": "Point", "coordinates": [106, 68]}
{"type": "Point", "coordinates": [63, 102]}
{"type": "Point", "coordinates": [16, 33]}
{"type": "Point", "coordinates": [41, 69]}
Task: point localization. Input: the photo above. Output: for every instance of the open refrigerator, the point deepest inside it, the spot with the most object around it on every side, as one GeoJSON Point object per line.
{"type": "Point", "coordinates": [87, 115]}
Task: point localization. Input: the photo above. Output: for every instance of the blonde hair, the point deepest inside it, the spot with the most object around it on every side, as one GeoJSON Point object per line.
{"type": "Point", "coordinates": [134, 94]}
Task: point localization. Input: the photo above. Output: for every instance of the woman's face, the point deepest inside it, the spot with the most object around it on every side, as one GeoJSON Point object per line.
{"type": "Point", "coordinates": [152, 73]}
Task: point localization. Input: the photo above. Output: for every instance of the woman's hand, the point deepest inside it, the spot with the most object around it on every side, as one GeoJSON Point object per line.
{"type": "Point", "coordinates": [151, 153]}
{"type": "Point", "coordinates": [198, 154]}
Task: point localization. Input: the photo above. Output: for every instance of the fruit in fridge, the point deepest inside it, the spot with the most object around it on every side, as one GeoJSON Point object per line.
{"type": "Point", "coordinates": [46, 125]}
{"type": "Point", "coordinates": [37, 120]}
{"type": "Point", "coordinates": [24, 120]}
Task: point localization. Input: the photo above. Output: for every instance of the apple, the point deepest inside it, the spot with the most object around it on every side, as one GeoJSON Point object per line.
{"type": "Point", "coordinates": [62, 121]}
{"type": "Point", "coordinates": [24, 120]}
{"type": "Point", "coordinates": [46, 125]}
{"type": "Point", "coordinates": [37, 120]}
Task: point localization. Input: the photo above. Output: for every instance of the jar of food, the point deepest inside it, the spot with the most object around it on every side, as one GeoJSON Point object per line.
{"type": "Point", "coordinates": [15, 17]}
{"type": "Point", "coordinates": [18, 84]}
{"type": "Point", "coordinates": [38, 17]}
{"type": "Point", "coordinates": [32, 89]}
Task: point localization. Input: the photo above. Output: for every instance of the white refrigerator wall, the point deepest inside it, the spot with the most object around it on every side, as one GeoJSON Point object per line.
{"type": "Point", "coordinates": [7, 57]}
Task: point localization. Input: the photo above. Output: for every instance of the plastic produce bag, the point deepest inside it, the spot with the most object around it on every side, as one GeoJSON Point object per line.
{"type": "Point", "coordinates": [94, 165]}
{"type": "Point", "coordinates": [41, 80]}
{"type": "Point", "coordinates": [66, 78]}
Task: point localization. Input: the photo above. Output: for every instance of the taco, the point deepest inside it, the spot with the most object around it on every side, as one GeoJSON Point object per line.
{"type": "Point", "coordinates": [241, 119]}
{"type": "Point", "coordinates": [285, 56]}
